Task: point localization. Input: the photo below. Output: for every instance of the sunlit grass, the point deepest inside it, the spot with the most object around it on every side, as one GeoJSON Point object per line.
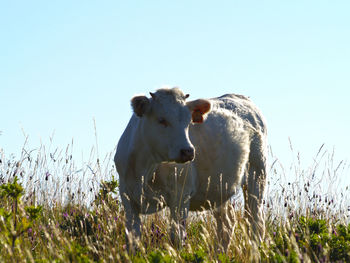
{"type": "Point", "coordinates": [81, 218]}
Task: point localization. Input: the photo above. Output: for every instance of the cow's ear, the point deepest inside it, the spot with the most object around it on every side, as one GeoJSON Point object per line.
{"type": "Point", "coordinates": [198, 109]}
{"type": "Point", "coordinates": [140, 105]}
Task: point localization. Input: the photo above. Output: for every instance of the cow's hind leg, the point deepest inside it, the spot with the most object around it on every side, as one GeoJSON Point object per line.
{"type": "Point", "coordinates": [254, 186]}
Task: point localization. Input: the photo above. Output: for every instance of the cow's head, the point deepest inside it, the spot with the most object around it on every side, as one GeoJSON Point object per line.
{"type": "Point", "coordinates": [165, 120]}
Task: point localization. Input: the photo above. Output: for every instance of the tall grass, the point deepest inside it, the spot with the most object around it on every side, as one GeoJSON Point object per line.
{"type": "Point", "coordinates": [79, 217]}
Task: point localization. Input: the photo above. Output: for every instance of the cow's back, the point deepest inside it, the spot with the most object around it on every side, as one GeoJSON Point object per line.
{"type": "Point", "coordinates": [243, 107]}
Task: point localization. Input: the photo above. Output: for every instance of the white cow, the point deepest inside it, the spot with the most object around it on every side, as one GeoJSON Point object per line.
{"type": "Point", "coordinates": [191, 156]}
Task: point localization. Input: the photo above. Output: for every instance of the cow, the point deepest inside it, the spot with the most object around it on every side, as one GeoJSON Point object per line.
{"type": "Point", "coordinates": [191, 156]}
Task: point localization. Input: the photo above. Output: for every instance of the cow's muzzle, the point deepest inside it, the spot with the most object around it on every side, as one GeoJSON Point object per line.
{"type": "Point", "coordinates": [186, 155]}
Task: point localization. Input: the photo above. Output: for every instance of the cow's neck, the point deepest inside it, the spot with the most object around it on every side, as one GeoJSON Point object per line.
{"type": "Point", "coordinates": [140, 167]}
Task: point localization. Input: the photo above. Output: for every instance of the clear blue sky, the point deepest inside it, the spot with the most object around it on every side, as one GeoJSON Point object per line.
{"type": "Point", "coordinates": [63, 63]}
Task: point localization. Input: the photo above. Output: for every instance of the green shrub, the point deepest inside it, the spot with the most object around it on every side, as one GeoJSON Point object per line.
{"type": "Point", "coordinates": [159, 257]}
{"type": "Point", "coordinates": [16, 218]}
{"type": "Point", "coordinates": [196, 257]}
{"type": "Point", "coordinates": [340, 244]}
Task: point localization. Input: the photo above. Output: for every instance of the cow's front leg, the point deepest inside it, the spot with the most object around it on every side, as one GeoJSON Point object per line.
{"type": "Point", "coordinates": [180, 186]}
{"type": "Point", "coordinates": [132, 225]}
{"type": "Point", "coordinates": [132, 231]}
{"type": "Point", "coordinates": [179, 214]}
{"type": "Point", "coordinates": [224, 216]}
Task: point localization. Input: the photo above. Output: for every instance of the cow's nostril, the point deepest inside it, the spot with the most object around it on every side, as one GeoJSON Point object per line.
{"type": "Point", "coordinates": [187, 154]}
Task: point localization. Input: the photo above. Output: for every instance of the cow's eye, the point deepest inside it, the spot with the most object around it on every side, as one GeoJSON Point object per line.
{"type": "Point", "coordinates": [163, 122]}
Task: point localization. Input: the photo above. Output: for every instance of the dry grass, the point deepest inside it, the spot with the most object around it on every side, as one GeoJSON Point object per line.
{"type": "Point", "coordinates": [304, 209]}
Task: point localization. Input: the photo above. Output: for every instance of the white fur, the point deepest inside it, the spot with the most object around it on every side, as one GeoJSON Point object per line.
{"type": "Point", "coordinates": [230, 150]}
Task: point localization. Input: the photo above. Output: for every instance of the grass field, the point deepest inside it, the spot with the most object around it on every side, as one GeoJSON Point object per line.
{"type": "Point", "coordinates": [53, 210]}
